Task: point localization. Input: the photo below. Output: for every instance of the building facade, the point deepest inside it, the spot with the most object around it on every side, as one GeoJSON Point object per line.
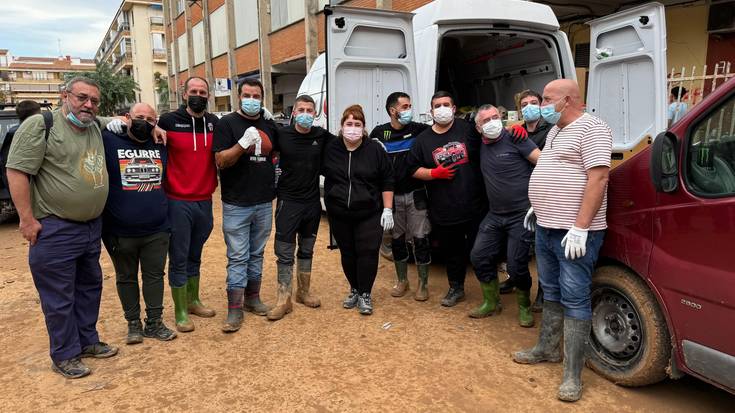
{"type": "Point", "coordinates": [134, 45]}
{"type": "Point", "coordinates": [36, 78]}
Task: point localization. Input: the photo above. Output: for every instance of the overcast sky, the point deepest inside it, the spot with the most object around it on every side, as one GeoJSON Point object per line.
{"type": "Point", "coordinates": [33, 27]}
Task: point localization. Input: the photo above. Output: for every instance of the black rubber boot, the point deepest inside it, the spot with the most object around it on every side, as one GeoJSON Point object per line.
{"type": "Point", "coordinates": [252, 298]}
{"type": "Point", "coordinates": [235, 298]}
{"type": "Point", "coordinates": [547, 347]}
{"type": "Point", "coordinates": [576, 334]}
{"type": "Point", "coordinates": [538, 304]}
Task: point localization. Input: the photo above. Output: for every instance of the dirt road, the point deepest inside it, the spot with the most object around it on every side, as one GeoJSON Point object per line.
{"type": "Point", "coordinates": [329, 359]}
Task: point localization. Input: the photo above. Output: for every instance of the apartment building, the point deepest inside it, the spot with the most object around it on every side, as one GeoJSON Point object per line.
{"type": "Point", "coordinates": [36, 78]}
{"type": "Point", "coordinates": [134, 46]}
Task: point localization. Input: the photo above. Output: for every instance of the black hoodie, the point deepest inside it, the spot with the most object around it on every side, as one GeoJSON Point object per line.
{"type": "Point", "coordinates": [354, 181]}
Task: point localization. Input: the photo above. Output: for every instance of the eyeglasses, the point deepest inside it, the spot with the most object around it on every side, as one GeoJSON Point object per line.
{"type": "Point", "coordinates": [84, 98]}
{"type": "Point", "coordinates": [152, 121]}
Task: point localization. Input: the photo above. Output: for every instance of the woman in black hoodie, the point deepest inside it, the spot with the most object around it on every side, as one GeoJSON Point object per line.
{"type": "Point", "coordinates": [358, 193]}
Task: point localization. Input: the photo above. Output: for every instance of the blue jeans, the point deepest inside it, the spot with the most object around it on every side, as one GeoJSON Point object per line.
{"type": "Point", "coordinates": [566, 281]}
{"type": "Point", "coordinates": [246, 231]}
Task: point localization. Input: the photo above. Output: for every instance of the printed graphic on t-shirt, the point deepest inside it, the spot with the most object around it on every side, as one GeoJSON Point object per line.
{"type": "Point", "coordinates": [259, 152]}
{"type": "Point", "coordinates": [92, 167]}
{"type": "Point", "coordinates": [453, 153]}
{"type": "Point", "coordinates": [140, 170]}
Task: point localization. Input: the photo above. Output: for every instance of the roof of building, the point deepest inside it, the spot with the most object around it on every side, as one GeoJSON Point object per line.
{"type": "Point", "coordinates": [51, 63]}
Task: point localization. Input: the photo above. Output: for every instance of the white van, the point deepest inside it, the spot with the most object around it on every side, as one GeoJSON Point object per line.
{"type": "Point", "coordinates": [486, 51]}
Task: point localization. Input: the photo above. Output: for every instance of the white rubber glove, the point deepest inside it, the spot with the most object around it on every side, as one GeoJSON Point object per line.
{"type": "Point", "coordinates": [267, 115]}
{"type": "Point", "coordinates": [386, 220]}
{"type": "Point", "coordinates": [529, 222]}
{"type": "Point", "coordinates": [575, 243]}
{"type": "Point", "coordinates": [116, 126]}
{"type": "Point", "coordinates": [249, 138]}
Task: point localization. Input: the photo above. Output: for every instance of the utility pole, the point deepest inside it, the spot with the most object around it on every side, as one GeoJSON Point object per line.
{"type": "Point", "coordinates": [384, 4]}
{"type": "Point", "coordinates": [311, 8]}
{"type": "Point", "coordinates": [208, 53]}
{"type": "Point", "coordinates": [231, 46]}
{"type": "Point", "coordinates": [172, 57]}
{"type": "Point", "coordinates": [189, 41]}
{"type": "Point", "coordinates": [264, 46]}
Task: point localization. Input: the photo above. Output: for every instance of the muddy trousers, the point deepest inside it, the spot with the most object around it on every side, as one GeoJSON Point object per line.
{"type": "Point", "coordinates": [65, 265]}
{"type": "Point", "coordinates": [455, 244]}
{"type": "Point", "coordinates": [147, 253]}
{"type": "Point", "coordinates": [359, 241]}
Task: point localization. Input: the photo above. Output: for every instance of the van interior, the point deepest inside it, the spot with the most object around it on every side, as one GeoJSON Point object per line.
{"type": "Point", "coordinates": [484, 66]}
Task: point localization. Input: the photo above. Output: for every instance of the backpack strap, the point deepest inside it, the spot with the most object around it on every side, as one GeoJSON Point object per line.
{"type": "Point", "coordinates": [48, 121]}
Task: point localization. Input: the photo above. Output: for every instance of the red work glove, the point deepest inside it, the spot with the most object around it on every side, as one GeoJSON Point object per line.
{"type": "Point", "coordinates": [518, 132]}
{"type": "Point", "coordinates": [442, 172]}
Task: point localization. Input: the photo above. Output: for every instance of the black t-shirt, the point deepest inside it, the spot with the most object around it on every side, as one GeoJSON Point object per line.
{"type": "Point", "coordinates": [300, 162]}
{"type": "Point", "coordinates": [506, 172]}
{"type": "Point", "coordinates": [462, 198]}
{"type": "Point", "coordinates": [251, 180]}
{"type": "Point", "coordinates": [136, 204]}
{"type": "Point", "coordinates": [398, 142]}
{"type": "Point", "coordinates": [538, 136]}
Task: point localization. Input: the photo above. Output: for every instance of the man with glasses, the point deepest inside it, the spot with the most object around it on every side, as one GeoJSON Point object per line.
{"type": "Point", "coordinates": [59, 210]}
{"type": "Point", "coordinates": [135, 226]}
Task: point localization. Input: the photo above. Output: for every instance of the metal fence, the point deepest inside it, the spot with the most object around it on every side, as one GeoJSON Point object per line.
{"type": "Point", "coordinates": [698, 82]}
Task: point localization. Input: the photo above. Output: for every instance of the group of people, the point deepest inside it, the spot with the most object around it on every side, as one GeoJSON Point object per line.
{"type": "Point", "coordinates": [143, 185]}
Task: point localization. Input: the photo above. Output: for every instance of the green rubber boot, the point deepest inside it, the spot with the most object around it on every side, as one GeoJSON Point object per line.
{"type": "Point", "coordinates": [525, 316]}
{"type": "Point", "coordinates": [401, 287]}
{"type": "Point", "coordinates": [195, 304]}
{"type": "Point", "coordinates": [490, 301]}
{"type": "Point", "coordinates": [181, 310]}
{"type": "Point", "coordinates": [422, 293]}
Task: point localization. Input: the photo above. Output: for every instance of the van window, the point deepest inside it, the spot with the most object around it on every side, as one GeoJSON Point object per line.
{"type": "Point", "coordinates": [376, 42]}
{"type": "Point", "coordinates": [711, 153]}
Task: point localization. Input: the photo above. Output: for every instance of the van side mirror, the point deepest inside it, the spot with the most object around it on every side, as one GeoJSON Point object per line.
{"type": "Point", "coordinates": [664, 165]}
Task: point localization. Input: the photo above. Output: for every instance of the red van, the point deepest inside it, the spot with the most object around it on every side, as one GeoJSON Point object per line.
{"type": "Point", "coordinates": [664, 294]}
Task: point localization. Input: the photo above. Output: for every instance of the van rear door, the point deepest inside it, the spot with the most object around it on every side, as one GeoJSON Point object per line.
{"type": "Point", "coordinates": [627, 75]}
{"type": "Point", "coordinates": [370, 54]}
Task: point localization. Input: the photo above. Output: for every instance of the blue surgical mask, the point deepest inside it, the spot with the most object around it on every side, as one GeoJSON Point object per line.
{"type": "Point", "coordinates": [404, 118]}
{"type": "Point", "coordinates": [75, 120]}
{"type": "Point", "coordinates": [305, 120]}
{"type": "Point", "coordinates": [549, 113]}
{"type": "Point", "coordinates": [250, 106]}
{"type": "Point", "coordinates": [531, 113]}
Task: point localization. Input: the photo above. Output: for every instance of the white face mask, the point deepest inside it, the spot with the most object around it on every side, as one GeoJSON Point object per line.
{"type": "Point", "coordinates": [492, 129]}
{"type": "Point", "coordinates": [352, 133]}
{"type": "Point", "coordinates": [443, 115]}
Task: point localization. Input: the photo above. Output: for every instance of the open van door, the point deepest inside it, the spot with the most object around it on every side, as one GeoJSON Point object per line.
{"type": "Point", "coordinates": [370, 55]}
{"type": "Point", "coordinates": [627, 75]}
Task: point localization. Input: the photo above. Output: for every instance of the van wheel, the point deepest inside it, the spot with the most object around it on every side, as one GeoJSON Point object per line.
{"type": "Point", "coordinates": [7, 210]}
{"type": "Point", "coordinates": [630, 342]}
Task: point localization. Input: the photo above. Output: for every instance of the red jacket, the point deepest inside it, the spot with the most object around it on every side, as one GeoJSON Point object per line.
{"type": "Point", "coordinates": [192, 172]}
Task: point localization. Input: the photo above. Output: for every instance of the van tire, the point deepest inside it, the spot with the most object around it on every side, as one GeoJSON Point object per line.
{"type": "Point", "coordinates": [630, 343]}
{"type": "Point", "coordinates": [7, 210]}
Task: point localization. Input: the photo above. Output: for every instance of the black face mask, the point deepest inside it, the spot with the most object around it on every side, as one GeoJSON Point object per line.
{"type": "Point", "coordinates": [197, 104]}
{"type": "Point", "coordinates": [141, 129]}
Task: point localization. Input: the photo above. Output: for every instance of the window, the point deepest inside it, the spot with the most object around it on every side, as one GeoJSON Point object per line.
{"type": "Point", "coordinates": [711, 153]}
{"type": "Point", "coordinates": [157, 42]}
{"type": "Point", "coordinates": [246, 21]}
{"type": "Point", "coordinates": [286, 12]}
{"type": "Point", "coordinates": [183, 54]}
{"type": "Point", "coordinates": [197, 34]}
{"type": "Point", "coordinates": [180, 6]}
{"type": "Point", "coordinates": [218, 27]}
{"type": "Point", "coordinates": [40, 75]}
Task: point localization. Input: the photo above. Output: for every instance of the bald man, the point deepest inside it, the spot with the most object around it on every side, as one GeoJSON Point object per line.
{"type": "Point", "coordinates": [568, 194]}
{"type": "Point", "coordinates": [135, 224]}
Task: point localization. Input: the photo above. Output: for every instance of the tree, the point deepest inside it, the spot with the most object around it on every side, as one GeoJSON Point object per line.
{"type": "Point", "coordinates": [116, 89]}
{"type": "Point", "coordinates": [161, 84]}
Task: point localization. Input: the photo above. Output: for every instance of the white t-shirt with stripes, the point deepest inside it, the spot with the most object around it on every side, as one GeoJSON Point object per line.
{"type": "Point", "coordinates": [557, 184]}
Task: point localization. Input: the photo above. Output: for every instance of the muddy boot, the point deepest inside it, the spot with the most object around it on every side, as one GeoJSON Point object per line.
{"type": "Point", "coordinates": [183, 324]}
{"type": "Point", "coordinates": [549, 337]}
{"type": "Point", "coordinates": [252, 299]}
{"type": "Point", "coordinates": [422, 293]}
{"type": "Point", "coordinates": [135, 332]}
{"type": "Point", "coordinates": [401, 287]}
{"type": "Point", "coordinates": [538, 304]}
{"type": "Point", "coordinates": [283, 301]}
{"type": "Point", "coordinates": [195, 304]}
{"type": "Point", "coordinates": [303, 279]}
{"type": "Point", "coordinates": [455, 294]}
{"type": "Point", "coordinates": [525, 316]}
{"type": "Point", "coordinates": [576, 334]}
{"type": "Point", "coordinates": [235, 298]}
{"type": "Point", "coordinates": [156, 329]}
{"type": "Point", "coordinates": [490, 301]}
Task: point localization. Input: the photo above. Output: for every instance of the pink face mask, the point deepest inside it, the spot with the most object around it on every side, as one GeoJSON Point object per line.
{"type": "Point", "coordinates": [352, 133]}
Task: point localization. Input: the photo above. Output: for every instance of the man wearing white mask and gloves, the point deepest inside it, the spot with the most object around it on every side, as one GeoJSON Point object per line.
{"type": "Point", "coordinates": [506, 168]}
{"type": "Point", "coordinates": [568, 193]}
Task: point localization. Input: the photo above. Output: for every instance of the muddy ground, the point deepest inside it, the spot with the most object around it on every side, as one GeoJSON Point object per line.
{"type": "Point", "coordinates": [329, 359]}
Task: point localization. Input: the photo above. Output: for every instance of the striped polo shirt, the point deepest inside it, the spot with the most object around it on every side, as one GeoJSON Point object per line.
{"type": "Point", "coordinates": [557, 184]}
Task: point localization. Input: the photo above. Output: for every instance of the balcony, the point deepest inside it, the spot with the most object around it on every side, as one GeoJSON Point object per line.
{"type": "Point", "coordinates": [159, 55]}
{"type": "Point", "coordinates": [121, 61]}
{"type": "Point", "coordinates": [156, 23]}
